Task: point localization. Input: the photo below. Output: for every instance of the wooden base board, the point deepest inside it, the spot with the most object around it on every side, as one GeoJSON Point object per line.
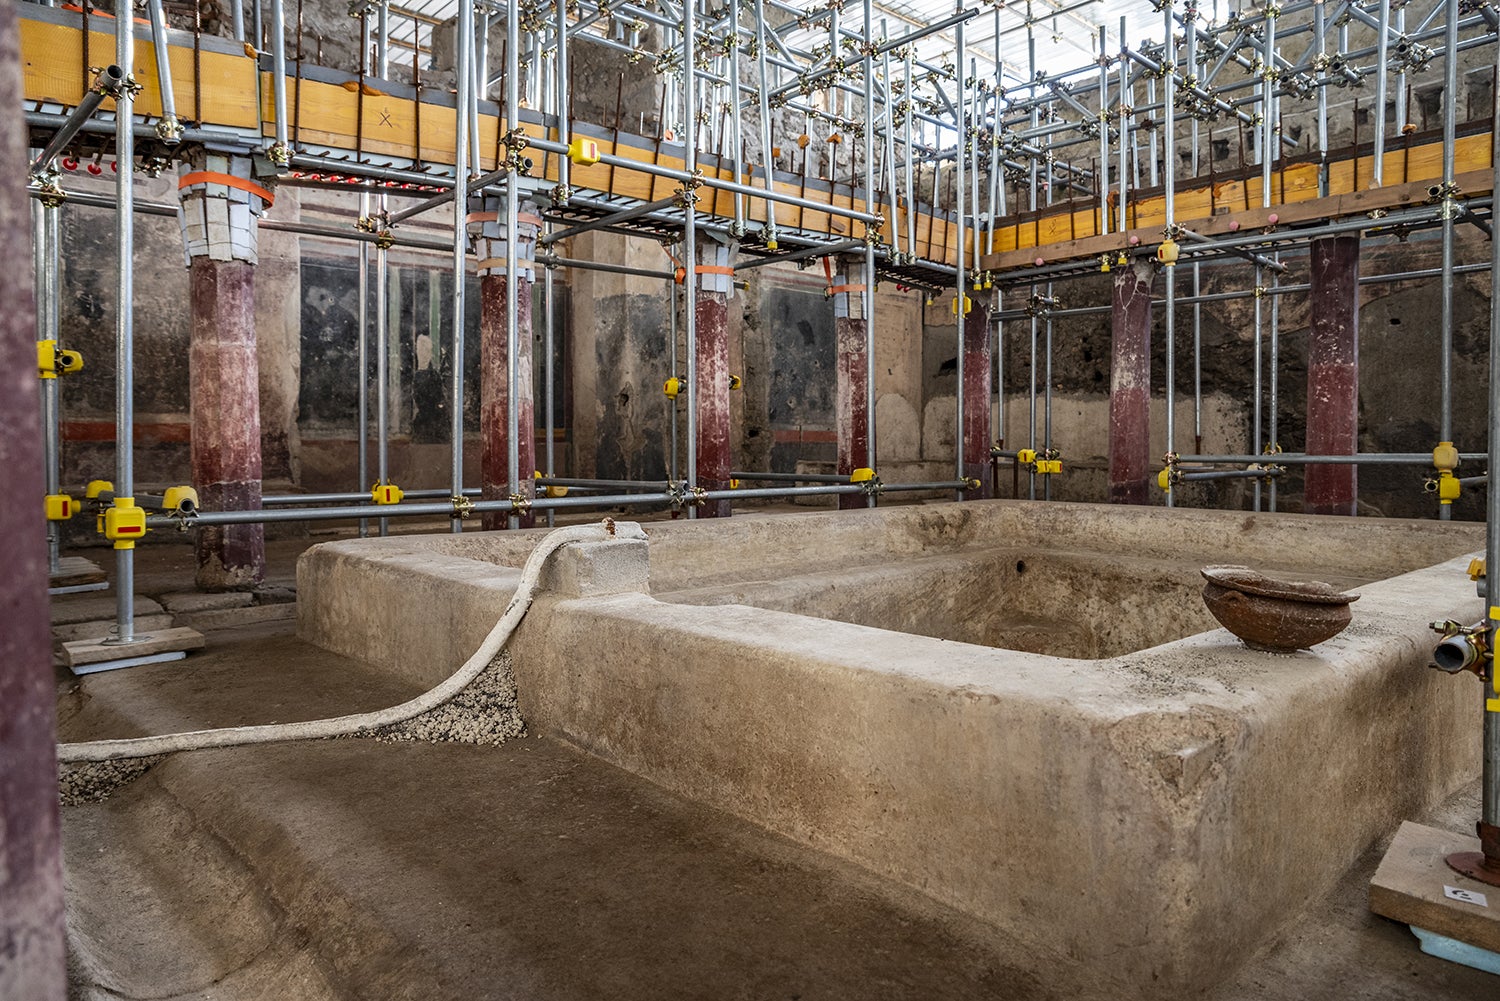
{"type": "Point", "coordinates": [75, 570]}
{"type": "Point", "coordinates": [1415, 886]}
{"type": "Point", "coordinates": [95, 651]}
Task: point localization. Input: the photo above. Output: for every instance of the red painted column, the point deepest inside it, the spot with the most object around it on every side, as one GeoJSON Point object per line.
{"type": "Point", "coordinates": [852, 416]}
{"type": "Point", "coordinates": [1333, 374]}
{"type": "Point", "coordinates": [488, 231]}
{"type": "Point", "coordinates": [1130, 384]}
{"type": "Point", "coordinates": [221, 200]}
{"type": "Point", "coordinates": [494, 397]}
{"type": "Point", "coordinates": [715, 453]}
{"type": "Point", "coordinates": [978, 388]}
{"type": "Point", "coordinates": [224, 386]}
{"type": "Point", "coordinates": [32, 950]}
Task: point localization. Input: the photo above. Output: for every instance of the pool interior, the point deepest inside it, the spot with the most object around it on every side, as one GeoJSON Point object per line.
{"type": "Point", "coordinates": [1079, 604]}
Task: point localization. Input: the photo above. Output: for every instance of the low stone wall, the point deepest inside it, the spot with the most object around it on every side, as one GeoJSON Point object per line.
{"type": "Point", "coordinates": [1143, 821]}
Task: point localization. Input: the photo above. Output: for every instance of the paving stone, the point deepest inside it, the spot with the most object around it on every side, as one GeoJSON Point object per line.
{"type": "Point", "coordinates": [66, 611]}
{"type": "Point", "coordinates": [189, 602]}
{"type": "Point", "coordinates": [225, 618]}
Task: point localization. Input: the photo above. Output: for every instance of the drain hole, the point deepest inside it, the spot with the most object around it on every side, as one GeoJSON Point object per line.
{"type": "Point", "coordinates": [1020, 566]}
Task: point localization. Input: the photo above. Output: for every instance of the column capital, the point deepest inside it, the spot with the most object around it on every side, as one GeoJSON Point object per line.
{"type": "Point", "coordinates": [220, 202]}
{"type": "Point", "coordinates": [488, 232]}
{"type": "Point", "coordinates": [715, 265]}
{"type": "Point", "coordinates": [848, 287]}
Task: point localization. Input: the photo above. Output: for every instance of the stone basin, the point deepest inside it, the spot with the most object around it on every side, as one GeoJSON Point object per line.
{"type": "Point", "coordinates": [1022, 710]}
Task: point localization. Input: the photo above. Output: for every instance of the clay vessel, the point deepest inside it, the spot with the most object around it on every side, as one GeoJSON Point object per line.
{"type": "Point", "coordinates": [1275, 615]}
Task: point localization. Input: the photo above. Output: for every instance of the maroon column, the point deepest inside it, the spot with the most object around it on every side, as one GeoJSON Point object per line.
{"type": "Point", "coordinates": [852, 403]}
{"type": "Point", "coordinates": [1333, 374]}
{"type": "Point", "coordinates": [494, 397]}
{"type": "Point", "coordinates": [978, 382]}
{"type": "Point", "coordinates": [1130, 384]}
{"type": "Point", "coordinates": [31, 888]}
{"type": "Point", "coordinates": [711, 309]}
{"type": "Point", "coordinates": [224, 379]}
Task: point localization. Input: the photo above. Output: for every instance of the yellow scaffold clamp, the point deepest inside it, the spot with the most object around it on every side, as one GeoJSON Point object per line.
{"type": "Point", "coordinates": [386, 493]}
{"type": "Point", "coordinates": [735, 382]}
{"type": "Point", "coordinates": [1169, 474]}
{"type": "Point", "coordinates": [584, 152]}
{"type": "Point", "coordinates": [60, 507]}
{"type": "Point", "coordinates": [180, 500]}
{"type": "Point", "coordinates": [124, 523]}
{"type": "Point", "coordinates": [550, 491]}
{"type": "Point", "coordinates": [52, 361]}
{"type": "Point", "coordinates": [672, 387]}
{"type": "Point", "coordinates": [1445, 461]}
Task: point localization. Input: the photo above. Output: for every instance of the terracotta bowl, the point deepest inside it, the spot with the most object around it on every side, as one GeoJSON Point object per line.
{"type": "Point", "coordinates": [1275, 615]}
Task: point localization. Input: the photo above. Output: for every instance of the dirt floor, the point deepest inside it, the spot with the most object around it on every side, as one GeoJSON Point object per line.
{"type": "Point", "coordinates": [359, 869]}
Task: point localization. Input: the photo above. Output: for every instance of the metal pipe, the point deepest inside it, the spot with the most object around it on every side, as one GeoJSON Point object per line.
{"type": "Point", "coordinates": [1273, 442]}
{"type": "Point", "coordinates": [790, 477]}
{"type": "Point", "coordinates": [717, 183]}
{"type": "Point", "coordinates": [1103, 179]}
{"type": "Point", "coordinates": [1303, 459]}
{"type": "Point", "coordinates": [961, 285]}
{"type": "Point", "coordinates": [614, 219]}
{"type": "Point", "coordinates": [867, 294]}
{"type": "Point", "coordinates": [672, 400]}
{"type": "Point", "coordinates": [382, 370]}
{"type": "Point", "coordinates": [1382, 61]}
{"type": "Point", "coordinates": [549, 376]}
{"type": "Point", "coordinates": [1449, 207]}
{"type": "Point", "coordinates": [564, 116]}
{"type": "Point", "coordinates": [513, 290]}
{"type": "Point", "coordinates": [763, 94]}
{"type": "Point", "coordinates": [1489, 810]}
{"type": "Point", "coordinates": [106, 84]}
{"type": "Point", "coordinates": [169, 130]}
{"type": "Point", "coordinates": [690, 238]}
{"type": "Point", "coordinates": [1169, 311]}
{"type": "Point", "coordinates": [1255, 438]}
{"type": "Point", "coordinates": [800, 255]}
{"type": "Point", "coordinates": [125, 319]}
{"type": "Point", "coordinates": [1234, 474]}
{"type": "Point", "coordinates": [1319, 31]}
{"type": "Point", "coordinates": [280, 149]}
{"type": "Point", "coordinates": [1416, 216]}
{"type": "Point", "coordinates": [433, 509]}
{"type": "Point", "coordinates": [237, 19]}
{"type": "Point", "coordinates": [479, 56]}
{"type": "Point", "coordinates": [477, 184]}
{"type": "Point", "coordinates": [464, 44]}
{"type": "Point", "coordinates": [48, 305]}
{"type": "Point", "coordinates": [363, 361]}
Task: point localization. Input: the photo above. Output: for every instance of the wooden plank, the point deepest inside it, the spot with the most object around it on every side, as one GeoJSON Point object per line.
{"type": "Point", "coordinates": [1333, 207]}
{"type": "Point", "coordinates": [331, 115]}
{"type": "Point", "coordinates": [1413, 879]}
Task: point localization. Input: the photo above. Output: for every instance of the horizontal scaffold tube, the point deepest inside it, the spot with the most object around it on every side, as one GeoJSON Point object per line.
{"type": "Point", "coordinates": [1301, 459]}
{"type": "Point", "coordinates": [446, 509]}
